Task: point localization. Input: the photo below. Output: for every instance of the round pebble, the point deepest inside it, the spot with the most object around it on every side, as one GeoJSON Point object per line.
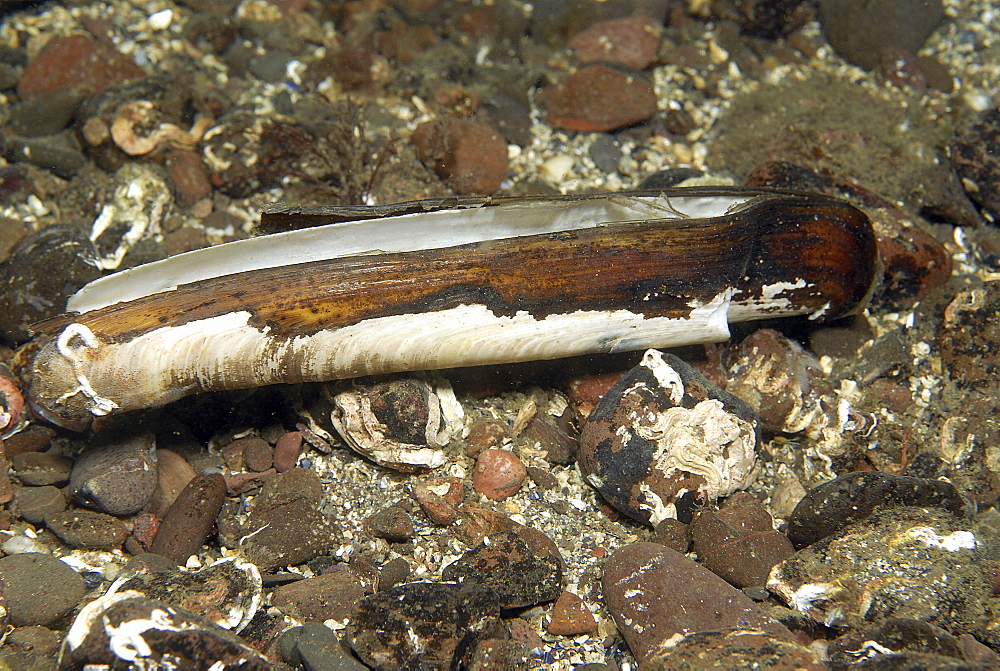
{"type": "Point", "coordinates": [38, 588]}
{"type": "Point", "coordinates": [498, 474]}
{"type": "Point", "coordinates": [471, 157]}
{"type": "Point", "coordinates": [117, 478]}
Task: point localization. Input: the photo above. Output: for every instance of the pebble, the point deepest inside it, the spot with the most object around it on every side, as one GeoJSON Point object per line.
{"type": "Point", "coordinates": [258, 455]}
{"type": "Point", "coordinates": [42, 468]}
{"type": "Point", "coordinates": [830, 507]}
{"type": "Point", "coordinates": [59, 154]}
{"type": "Point", "coordinates": [36, 640]}
{"type": "Point", "coordinates": [914, 262]}
{"type": "Point", "coordinates": [34, 503]}
{"type": "Point", "coordinates": [597, 98]}
{"type": "Point", "coordinates": [392, 523]}
{"type": "Point", "coordinates": [738, 542]}
{"type": "Point", "coordinates": [571, 617]}
{"type": "Point", "coordinates": [287, 450]}
{"type": "Point", "coordinates": [498, 474]}
{"type": "Point", "coordinates": [87, 530]}
{"type": "Point", "coordinates": [285, 526]}
{"type": "Point", "coordinates": [970, 335]}
{"type": "Point", "coordinates": [654, 593]}
{"type": "Point", "coordinates": [228, 592]}
{"type": "Point", "coordinates": [553, 436]}
{"type": "Point", "coordinates": [191, 517]}
{"type": "Point", "coordinates": [860, 30]}
{"type": "Point", "coordinates": [78, 62]}
{"type": "Point", "coordinates": [975, 157]}
{"type": "Point", "coordinates": [439, 498]}
{"type": "Point", "coordinates": [651, 439]}
{"type": "Point", "coordinates": [188, 176]}
{"type": "Point", "coordinates": [131, 630]}
{"type": "Point", "coordinates": [47, 113]}
{"type": "Point", "coordinates": [42, 272]}
{"type": "Point", "coordinates": [422, 624]}
{"type": "Point", "coordinates": [329, 596]}
{"type": "Point", "coordinates": [118, 478]}
{"type": "Point", "coordinates": [173, 473]}
{"type": "Point", "coordinates": [317, 648]}
{"type": "Point", "coordinates": [631, 41]}
{"type": "Point", "coordinates": [470, 156]}
{"type": "Point", "coordinates": [241, 483]}
{"type": "Point", "coordinates": [38, 588]}
{"type": "Point", "coordinates": [919, 563]}
{"type": "Point", "coordinates": [737, 649]}
{"type": "Point", "coordinates": [515, 572]}
{"type": "Point", "coordinates": [912, 643]}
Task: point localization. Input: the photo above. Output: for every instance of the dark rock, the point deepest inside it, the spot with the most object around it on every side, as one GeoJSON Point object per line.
{"type": "Point", "coordinates": [257, 454]}
{"type": "Point", "coordinates": [329, 596]}
{"type": "Point", "coordinates": [60, 154]}
{"type": "Point", "coordinates": [471, 157]}
{"type": "Point", "coordinates": [506, 564]}
{"type": "Point", "coordinates": [42, 468]}
{"type": "Point", "coordinates": [914, 263]}
{"type": "Point", "coordinates": [654, 593]}
{"type": "Point", "coordinates": [118, 478]}
{"type": "Point", "coordinates": [189, 520]}
{"type": "Point", "coordinates": [738, 542]}
{"type": "Point", "coordinates": [285, 526]}
{"type": "Point", "coordinates": [227, 592]}
{"type": "Point", "coordinates": [900, 635]}
{"type": "Point", "coordinates": [78, 62]}
{"type": "Point", "coordinates": [860, 30]}
{"type": "Point", "coordinates": [699, 429]}
{"type": "Point", "coordinates": [571, 617]}
{"type": "Point", "coordinates": [317, 648]}
{"type": "Point", "coordinates": [38, 588]}
{"type": "Point", "coordinates": [499, 653]}
{"type": "Point", "coordinates": [271, 66]}
{"type": "Point", "coordinates": [36, 640]}
{"type": "Point", "coordinates": [735, 649]}
{"type": "Point", "coordinates": [87, 530]}
{"type": "Point", "coordinates": [597, 98]}
{"type": "Point", "coordinates": [160, 636]}
{"type": "Point", "coordinates": [44, 270]}
{"type": "Point", "coordinates": [827, 508]}
{"type": "Point", "coordinates": [970, 335]}
{"type": "Point", "coordinates": [975, 153]}
{"type": "Point", "coordinates": [673, 534]}
{"type": "Point", "coordinates": [392, 573]}
{"type": "Point", "coordinates": [241, 483]}
{"type": "Point", "coordinates": [47, 113]}
{"type": "Point", "coordinates": [631, 41]}
{"type": "Point", "coordinates": [34, 503]}
{"type": "Point", "coordinates": [392, 523]}
{"type": "Point", "coordinates": [431, 625]}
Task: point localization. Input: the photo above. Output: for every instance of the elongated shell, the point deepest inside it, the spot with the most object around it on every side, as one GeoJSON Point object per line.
{"type": "Point", "coordinates": [431, 285]}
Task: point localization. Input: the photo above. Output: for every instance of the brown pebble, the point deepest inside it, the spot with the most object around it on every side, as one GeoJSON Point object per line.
{"type": "Point", "coordinates": [188, 175]}
{"type": "Point", "coordinates": [439, 498]}
{"type": "Point", "coordinates": [673, 534]}
{"type": "Point", "coordinates": [329, 596]}
{"type": "Point", "coordinates": [631, 41]}
{"type": "Point", "coordinates": [287, 450]}
{"type": "Point", "coordinates": [485, 433]}
{"type": "Point", "coordinates": [42, 468]}
{"type": "Point", "coordinates": [241, 483]}
{"type": "Point", "coordinates": [29, 440]}
{"type": "Point", "coordinates": [597, 98]}
{"type": "Point", "coordinates": [87, 530]}
{"type": "Point", "coordinates": [34, 503]}
{"type": "Point", "coordinates": [392, 524]}
{"type": "Point", "coordinates": [498, 474]}
{"type": "Point", "coordinates": [258, 455]}
{"type": "Point", "coordinates": [189, 520]}
{"type": "Point", "coordinates": [173, 474]}
{"type": "Point", "coordinates": [571, 617]}
{"type": "Point", "coordinates": [77, 61]}
{"type": "Point", "coordinates": [118, 478]}
{"type": "Point", "coordinates": [471, 157]}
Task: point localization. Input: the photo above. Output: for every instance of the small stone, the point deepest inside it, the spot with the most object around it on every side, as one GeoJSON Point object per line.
{"type": "Point", "coordinates": [189, 520]}
{"type": "Point", "coordinates": [673, 534]}
{"type": "Point", "coordinates": [736, 649]}
{"type": "Point", "coordinates": [258, 455]}
{"type": "Point", "coordinates": [597, 98]}
{"type": "Point", "coordinates": [471, 157]}
{"type": "Point", "coordinates": [632, 41]}
{"type": "Point", "coordinates": [571, 617]}
{"type": "Point", "coordinates": [485, 433]}
{"type": "Point", "coordinates": [287, 450]}
{"type": "Point", "coordinates": [87, 530]}
{"type": "Point", "coordinates": [392, 573]}
{"type": "Point", "coordinates": [498, 474]}
{"type": "Point", "coordinates": [241, 483]}
{"type": "Point", "coordinates": [29, 440]}
{"type": "Point", "coordinates": [34, 503]}
{"type": "Point", "coordinates": [422, 624]}
{"type": "Point", "coordinates": [860, 30]}
{"type": "Point", "coordinates": [738, 542]}
{"type": "Point", "coordinates": [551, 435]}
{"type": "Point", "coordinates": [38, 588]}
{"type": "Point", "coordinates": [188, 176]}
{"type": "Point", "coordinates": [439, 498]}
{"type": "Point", "coordinates": [36, 640]}
{"type": "Point", "coordinates": [42, 468]}
{"type": "Point", "coordinates": [518, 575]}
{"type": "Point", "coordinates": [914, 263]}
{"type": "Point", "coordinates": [499, 653]}
{"type": "Point", "coordinates": [392, 523]}
{"type": "Point", "coordinates": [645, 584]}
{"type": "Point", "coordinates": [319, 649]}
{"type": "Point", "coordinates": [173, 473]}
{"type": "Point", "coordinates": [973, 152]}
{"type": "Point", "coordinates": [79, 62]}
{"type": "Point", "coordinates": [649, 444]}
{"type": "Point", "coordinates": [118, 478]}
{"type": "Point", "coordinates": [329, 596]}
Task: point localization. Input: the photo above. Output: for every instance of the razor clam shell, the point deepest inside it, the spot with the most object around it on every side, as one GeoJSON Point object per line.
{"type": "Point", "coordinates": [581, 286]}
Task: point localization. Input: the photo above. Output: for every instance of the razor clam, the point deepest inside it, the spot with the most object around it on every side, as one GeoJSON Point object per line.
{"type": "Point", "coordinates": [441, 284]}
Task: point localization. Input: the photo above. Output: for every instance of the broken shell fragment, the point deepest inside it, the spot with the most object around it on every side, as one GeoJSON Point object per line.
{"type": "Point", "coordinates": [401, 424]}
{"type": "Point", "coordinates": [440, 284]}
{"type": "Point", "coordinates": [664, 438]}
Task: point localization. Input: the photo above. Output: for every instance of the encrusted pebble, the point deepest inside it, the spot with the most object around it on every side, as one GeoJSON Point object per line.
{"type": "Point", "coordinates": [87, 529]}
{"type": "Point", "coordinates": [518, 575]}
{"type": "Point", "coordinates": [118, 478]}
{"type": "Point", "coordinates": [189, 520]}
{"type": "Point", "coordinates": [42, 468]}
{"type": "Point", "coordinates": [241, 483]}
{"type": "Point", "coordinates": [391, 523]}
{"type": "Point", "coordinates": [738, 542]}
{"type": "Point", "coordinates": [285, 526]}
{"type": "Point", "coordinates": [38, 588]}
{"type": "Point", "coordinates": [974, 154]}
{"type": "Point", "coordinates": [329, 596]}
{"type": "Point", "coordinates": [227, 592]}
{"type": "Point", "coordinates": [258, 455]}
{"type": "Point", "coordinates": [631, 41]}
{"type": "Point", "coordinates": [969, 335]}
{"type": "Point", "coordinates": [736, 649]}
{"type": "Point", "coordinates": [903, 643]}
{"type": "Point", "coordinates": [571, 617]}
{"type": "Point", "coordinates": [827, 508]}
{"type": "Point", "coordinates": [654, 593]}
{"type": "Point", "coordinates": [129, 629]}
{"type": "Point", "coordinates": [439, 498]}
{"type": "Point", "coordinates": [431, 625]}
{"type": "Point", "coordinates": [287, 450]}
{"type": "Point", "coordinates": [34, 503]}
{"type": "Point", "coordinates": [470, 156]}
{"type": "Point", "coordinates": [498, 474]}
{"type": "Point", "coordinates": [664, 438]}
{"type": "Point", "coordinates": [597, 98]}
